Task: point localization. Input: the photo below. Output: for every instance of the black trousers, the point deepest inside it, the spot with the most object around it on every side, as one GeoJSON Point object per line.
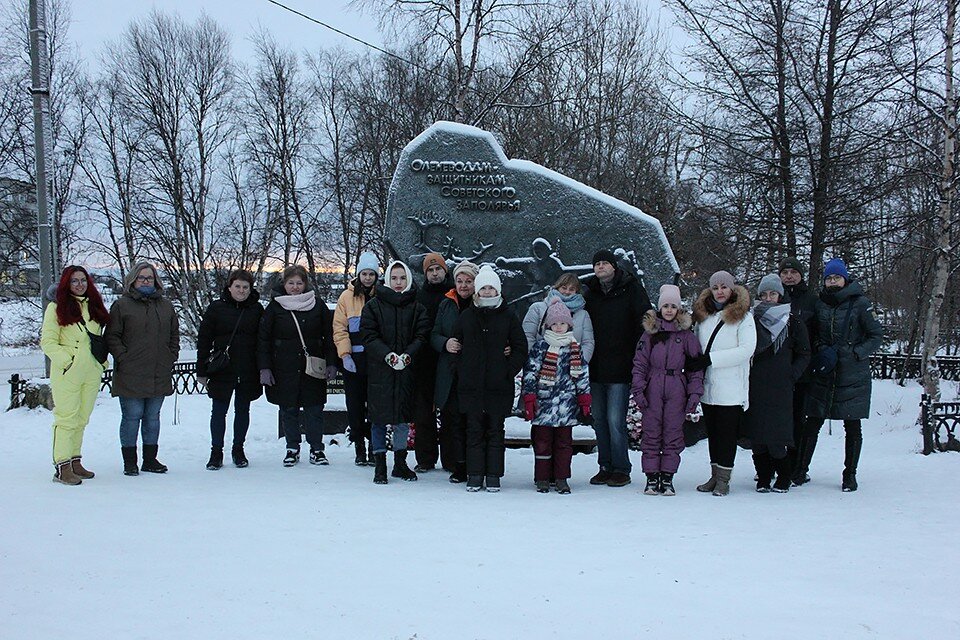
{"type": "Point", "coordinates": [485, 448]}
{"type": "Point", "coordinates": [453, 436]}
{"type": "Point", "coordinates": [355, 389]}
{"type": "Point", "coordinates": [425, 443]}
{"type": "Point", "coordinates": [723, 425]}
{"type": "Point", "coordinates": [853, 441]}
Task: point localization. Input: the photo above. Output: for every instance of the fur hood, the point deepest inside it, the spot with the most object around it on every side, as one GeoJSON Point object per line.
{"type": "Point", "coordinates": [652, 323]}
{"type": "Point", "coordinates": [735, 310]}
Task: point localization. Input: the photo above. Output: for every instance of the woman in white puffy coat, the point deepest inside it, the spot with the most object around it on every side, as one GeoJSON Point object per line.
{"type": "Point", "coordinates": [728, 338]}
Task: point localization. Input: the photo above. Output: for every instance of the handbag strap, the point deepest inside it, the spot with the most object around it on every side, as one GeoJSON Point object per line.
{"type": "Point", "coordinates": [296, 323]}
{"type": "Point", "coordinates": [713, 336]}
{"type": "Point", "coordinates": [235, 327]}
{"type": "Point", "coordinates": [846, 325]}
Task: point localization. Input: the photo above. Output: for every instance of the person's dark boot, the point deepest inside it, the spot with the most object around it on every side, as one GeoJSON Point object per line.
{"type": "Point", "coordinates": [400, 468]}
{"type": "Point", "coordinates": [711, 484]}
{"type": "Point", "coordinates": [474, 483]}
{"type": "Point", "coordinates": [851, 459]}
{"type": "Point", "coordinates": [666, 484]}
{"type": "Point", "coordinates": [216, 459]}
{"type": "Point", "coordinates": [361, 453]}
{"type": "Point", "coordinates": [618, 479]}
{"type": "Point", "coordinates": [723, 481]}
{"type": "Point", "coordinates": [783, 468]}
{"type": "Point", "coordinates": [804, 456]}
{"type": "Point", "coordinates": [493, 484]}
{"type": "Point", "coordinates": [380, 468]}
{"type": "Point", "coordinates": [601, 478]}
{"type": "Point", "coordinates": [78, 469]}
{"type": "Point", "coordinates": [239, 457]}
{"type": "Point", "coordinates": [150, 462]}
{"type": "Point", "coordinates": [563, 487]}
{"type": "Point", "coordinates": [459, 475]}
{"type": "Point", "coordinates": [65, 474]}
{"type": "Point", "coordinates": [653, 485]}
{"type": "Point", "coordinates": [543, 486]}
{"type": "Point", "coordinates": [764, 465]}
{"type": "Point", "coordinates": [130, 467]}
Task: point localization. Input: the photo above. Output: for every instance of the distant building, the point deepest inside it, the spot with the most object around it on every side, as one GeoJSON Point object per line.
{"type": "Point", "coordinates": [19, 261]}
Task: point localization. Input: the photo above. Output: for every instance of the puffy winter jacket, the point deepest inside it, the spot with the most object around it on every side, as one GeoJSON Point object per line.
{"type": "Point", "coordinates": [392, 322]}
{"type": "Point", "coordinates": [215, 330]}
{"type": "Point", "coordinates": [727, 379]}
{"type": "Point", "coordinates": [69, 347]}
{"type": "Point", "coordinates": [448, 316]}
{"type": "Point", "coordinates": [346, 321]}
{"type": "Point", "coordinates": [485, 377]}
{"type": "Point", "coordinates": [658, 365]}
{"type": "Point", "coordinates": [557, 403]}
{"type": "Point", "coordinates": [844, 393]}
{"type": "Point", "coordinates": [616, 315]}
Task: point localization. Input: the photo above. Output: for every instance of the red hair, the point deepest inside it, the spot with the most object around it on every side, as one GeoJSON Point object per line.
{"type": "Point", "coordinates": [68, 309]}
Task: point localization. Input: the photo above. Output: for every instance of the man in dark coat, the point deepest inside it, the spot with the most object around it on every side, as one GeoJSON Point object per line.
{"type": "Point", "coordinates": [781, 357]}
{"type": "Point", "coordinates": [616, 302]}
{"type": "Point", "coordinates": [435, 287]}
{"type": "Point", "coordinates": [394, 328]}
{"type": "Point", "coordinates": [847, 328]}
{"type": "Point", "coordinates": [803, 303]}
{"type": "Point", "coordinates": [231, 323]}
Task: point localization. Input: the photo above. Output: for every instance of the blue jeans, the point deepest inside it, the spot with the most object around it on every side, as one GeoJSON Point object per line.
{"type": "Point", "coordinates": [218, 421]}
{"type": "Point", "coordinates": [609, 410]}
{"type": "Point", "coordinates": [140, 415]}
{"type": "Point", "coordinates": [312, 426]}
{"type": "Point", "coordinates": [378, 437]}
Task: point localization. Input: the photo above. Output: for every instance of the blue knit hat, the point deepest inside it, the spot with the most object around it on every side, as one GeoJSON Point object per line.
{"type": "Point", "coordinates": [836, 267]}
{"type": "Point", "coordinates": [368, 260]}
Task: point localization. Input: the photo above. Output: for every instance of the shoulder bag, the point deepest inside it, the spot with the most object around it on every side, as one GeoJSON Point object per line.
{"type": "Point", "coordinates": [315, 367]}
{"type": "Point", "coordinates": [219, 359]}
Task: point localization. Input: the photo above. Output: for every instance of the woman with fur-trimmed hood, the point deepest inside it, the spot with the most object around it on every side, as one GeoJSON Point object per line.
{"type": "Point", "coordinates": [728, 338]}
{"type": "Point", "coordinates": [663, 391]}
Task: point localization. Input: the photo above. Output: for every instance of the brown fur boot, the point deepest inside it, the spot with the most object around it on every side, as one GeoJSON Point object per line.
{"type": "Point", "coordinates": [78, 469]}
{"type": "Point", "coordinates": [65, 475]}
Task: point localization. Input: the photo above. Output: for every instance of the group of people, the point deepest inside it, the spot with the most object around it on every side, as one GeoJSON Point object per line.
{"type": "Point", "coordinates": [445, 356]}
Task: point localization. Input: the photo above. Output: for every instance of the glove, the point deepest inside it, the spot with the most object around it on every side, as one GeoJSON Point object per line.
{"type": "Point", "coordinates": [584, 400]}
{"type": "Point", "coordinates": [530, 405]}
{"type": "Point", "coordinates": [697, 363]}
{"type": "Point", "coordinates": [349, 364]}
{"type": "Point", "coordinates": [692, 405]}
{"type": "Point", "coordinates": [405, 359]}
{"type": "Point", "coordinates": [202, 381]}
{"type": "Point", "coordinates": [392, 360]}
{"type": "Point", "coordinates": [331, 371]}
{"type": "Point", "coordinates": [266, 377]}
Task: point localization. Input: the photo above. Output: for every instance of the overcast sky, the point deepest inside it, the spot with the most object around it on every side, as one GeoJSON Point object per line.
{"type": "Point", "coordinates": [96, 22]}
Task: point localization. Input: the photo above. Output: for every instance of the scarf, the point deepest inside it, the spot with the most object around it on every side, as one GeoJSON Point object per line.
{"type": "Point", "coordinates": [772, 320]}
{"type": "Point", "coordinates": [301, 302]}
{"type": "Point", "coordinates": [487, 303]}
{"type": "Point", "coordinates": [551, 359]}
{"type": "Point", "coordinates": [574, 301]}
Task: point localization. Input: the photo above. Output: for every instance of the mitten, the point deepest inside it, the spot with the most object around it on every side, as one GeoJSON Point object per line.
{"type": "Point", "coordinates": [584, 400]}
{"type": "Point", "coordinates": [530, 405]}
{"type": "Point", "coordinates": [266, 377]}
{"type": "Point", "coordinates": [331, 371]}
{"type": "Point", "coordinates": [692, 404]}
{"type": "Point", "coordinates": [202, 381]}
{"type": "Point", "coordinates": [405, 359]}
{"type": "Point", "coordinates": [697, 363]}
{"type": "Point", "coordinates": [392, 359]}
{"type": "Point", "coordinates": [349, 364]}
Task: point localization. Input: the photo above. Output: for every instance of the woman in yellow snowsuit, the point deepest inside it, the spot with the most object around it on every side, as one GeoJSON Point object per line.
{"type": "Point", "coordinates": [75, 371]}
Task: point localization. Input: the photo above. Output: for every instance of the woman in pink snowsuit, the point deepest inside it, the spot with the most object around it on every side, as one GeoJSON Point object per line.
{"type": "Point", "coordinates": [663, 391]}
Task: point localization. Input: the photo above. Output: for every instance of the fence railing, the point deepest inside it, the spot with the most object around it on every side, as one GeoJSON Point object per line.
{"type": "Point", "coordinates": [893, 366]}
{"type": "Point", "coordinates": [939, 422]}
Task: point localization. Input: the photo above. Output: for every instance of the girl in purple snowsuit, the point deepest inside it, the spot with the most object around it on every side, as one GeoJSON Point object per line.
{"type": "Point", "coordinates": [663, 391]}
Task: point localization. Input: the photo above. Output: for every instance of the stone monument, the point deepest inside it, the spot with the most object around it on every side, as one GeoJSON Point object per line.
{"type": "Point", "coordinates": [456, 193]}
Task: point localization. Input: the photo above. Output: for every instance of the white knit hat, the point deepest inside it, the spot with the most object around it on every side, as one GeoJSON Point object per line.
{"type": "Point", "coordinates": [487, 276]}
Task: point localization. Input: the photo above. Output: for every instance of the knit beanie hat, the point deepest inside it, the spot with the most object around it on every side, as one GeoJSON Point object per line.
{"type": "Point", "coordinates": [605, 255]}
{"type": "Point", "coordinates": [466, 267]}
{"type": "Point", "coordinates": [368, 260]}
{"type": "Point", "coordinates": [722, 277]}
{"type": "Point", "coordinates": [791, 263]}
{"type": "Point", "coordinates": [836, 267]}
{"type": "Point", "coordinates": [434, 259]}
{"type": "Point", "coordinates": [487, 276]}
{"type": "Point", "coordinates": [558, 312]}
{"type": "Point", "coordinates": [770, 282]}
{"type": "Point", "coordinates": [669, 294]}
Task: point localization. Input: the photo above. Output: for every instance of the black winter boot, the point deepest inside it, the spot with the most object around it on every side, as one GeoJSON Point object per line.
{"type": "Point", "coordinates": [851, 459]}
{"type": "Point", "coordinates": [764, 465]}
{"type": "Point", "coordinates": [130, 461]}
{"type": "Point", "coordinates": [216, 459]}
{"type": "Point", "coordinates": [493, 484]}
{"type": "Point", "coordinates": [459, 474]}
{"type": "Point", "coordinates": [150, 462]}
{"type": "Point", "coordinates": [653, 485]}
{"type": "Point", "coordinates": [666, 484]}
{"type": "Point", "coordinates": [783, 469]}
{"type": "Point", "coordinates": [804, 456]}
{"type": "Point", "coordinates": [239, 457]}
{"type": "Point", "coordinates": [380, 468]}
{"type": "Point", "coordinates": [400, 468]}
{"type": "Point", "coordinates": [361, 453]}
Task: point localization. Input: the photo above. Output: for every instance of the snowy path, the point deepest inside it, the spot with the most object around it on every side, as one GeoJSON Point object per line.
{"type": "Point", "coordinates": [320, 552]}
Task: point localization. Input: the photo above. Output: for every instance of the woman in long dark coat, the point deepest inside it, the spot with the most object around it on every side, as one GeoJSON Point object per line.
{"type": "Point", "coordinates": [494, 350]}
{"type": "Point", "coordinates": [845, 326]}
{"type": "Point", "coordinates": [781, 357]}
{"type": "Point", "coordinates": [393, 327]}
{"type": "Point", "coordinates": [231, 323]}
{"type": "Point", "coordinates": [282, 361]}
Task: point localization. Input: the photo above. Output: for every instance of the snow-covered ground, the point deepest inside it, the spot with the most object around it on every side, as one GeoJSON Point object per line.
{"type": "Point", "coordinates": [321, 552]}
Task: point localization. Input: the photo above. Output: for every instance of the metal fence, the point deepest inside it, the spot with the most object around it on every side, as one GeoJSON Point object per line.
{"type": "Point", "coordinates": [939, 421]}
{"type": "Point", "coordinates": [893, 366]}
